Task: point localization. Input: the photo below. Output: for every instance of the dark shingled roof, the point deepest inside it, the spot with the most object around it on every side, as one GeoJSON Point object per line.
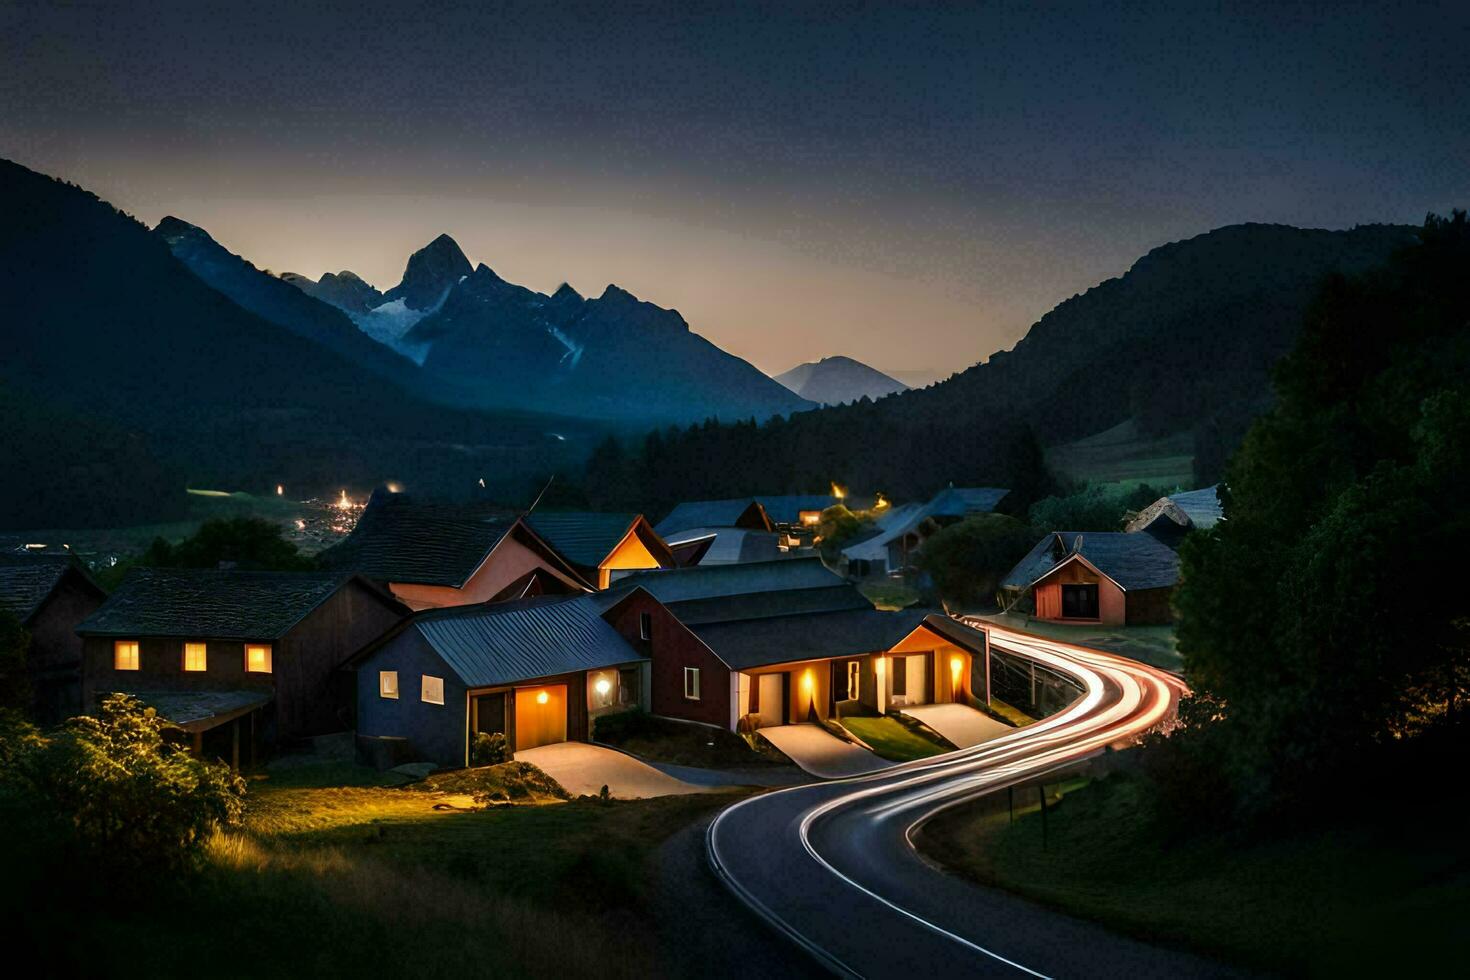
{"type": "Point", "coordinates": [507, 642]}
{"type": "Point", "coordinates": [730, 544]}
{"type": "Point", "coordinates": [209, 604]}
{"type": "Point", "coordinates": [963, 501]}
{"type": "Point", "coordinates": [704, 513]}
{"type": "Point", "coordinates": [709, 581]}
{"type": "Point", "coordinates": [763, 605]}
{"type": "Point", "coordinates": [748, 643]}
{"type": "Point", "coordinates": [26, 581]}
{"type": "Point", "coordinates": [787, 509]}
{"type": "Point", "coordinates": [398, 539]}
{"type": "Point", "coordinates": [582, 537]}
{"type": "Point", "coordinates": [1134, 561]}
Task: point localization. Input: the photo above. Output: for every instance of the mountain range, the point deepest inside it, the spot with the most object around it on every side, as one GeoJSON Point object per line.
{"type": "Point", "coordinates": [487, 343]}
{"type": "Point", "coordinates": [838, 380]}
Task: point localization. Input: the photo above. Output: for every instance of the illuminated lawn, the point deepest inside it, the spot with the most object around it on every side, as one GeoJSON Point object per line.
{"type": "Point", "coordinates": [374, 881]}
{"type": "Point", "coordinates": [892, 740]}
{"type": "Point", "coordinates": [1362, 897]}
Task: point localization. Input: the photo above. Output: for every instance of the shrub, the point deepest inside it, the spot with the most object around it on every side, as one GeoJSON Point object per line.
{"type": "Point", "coordinates": [490, 749]}
{"type": "Point", "coordinates": [119, 794]}
{"type": "Point", "coordinates": [967, 560]}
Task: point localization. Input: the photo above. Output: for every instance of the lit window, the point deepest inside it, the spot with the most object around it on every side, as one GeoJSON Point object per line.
{"type": "Point", "coordinates": [388, 684]}
{"type": "Point", "coordinates": [645, 625]}
{"type": "Point", "coordinates": [691, 683]}
{"type": "Point", "coordinates": [195, 656]}
{"type": "Point", "coordinates": [258, 658]}
{"type": "Point", "coordinates": [125, 655]}
{"type": "Point", "coordinates": [811, 518]}
{"type": "Point", "coordinates": [433, 690]}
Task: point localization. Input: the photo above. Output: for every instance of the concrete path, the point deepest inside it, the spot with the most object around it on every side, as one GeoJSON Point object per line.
{"type": "Point", "coordinates": [821, 753]}
{"type": "Point", "coordinates": [584, 769]}
{"type": "Point", "coordinates": [959, 723]}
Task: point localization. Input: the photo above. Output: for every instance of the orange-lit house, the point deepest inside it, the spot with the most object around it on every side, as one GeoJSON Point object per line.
{"type": "Point", "coordinates": [432, 555]}
{"type": "Point", "coordinates": [537, 670]}
{"type": "Point", "coordinates": [783, 642]}
{"type": "Point", "coordinates": [49, 595]}
{"type": "Point", "coordinates": [602, 546]}
{"type": "Point", "coordinates": [1110, 577]}
{"type": "Point", "coordinates": [236, 658]}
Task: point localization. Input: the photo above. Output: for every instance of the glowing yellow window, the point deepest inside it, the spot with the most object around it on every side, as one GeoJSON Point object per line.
{"type": "Point", "coordinates": [195, 655]}
{"type": "Point", "coordinates": [125, 655]}
{"type": "Point", "coordinates": [258, 658]}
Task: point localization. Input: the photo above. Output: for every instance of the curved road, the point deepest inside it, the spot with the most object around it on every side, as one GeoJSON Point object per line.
{"type": "Point", "coordinates": [831, 865]}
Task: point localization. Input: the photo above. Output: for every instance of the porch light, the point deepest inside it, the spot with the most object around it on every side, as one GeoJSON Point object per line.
{"type": "Point", "coordinates": [956, 664]}
{"type": "Point", "coordinates": [807, 681]}
{"type": "Point", "coordinates": [542, 697]}
{"type": "Point", "coordinates": [602, 686]}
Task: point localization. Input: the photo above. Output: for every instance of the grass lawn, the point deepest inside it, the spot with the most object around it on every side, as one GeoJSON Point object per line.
{"type": "Point", "coordinates": [1388, 896]}
{"type": "Point", "coordinates": [372, 881]}
{"type": "Point", "coordinates": [887, 593]}
{"type": "Point", "coordinates": [892, 739]}
{"type": "Point", "coordinates": [1121, 457]}
{"type": "Point", "coordinates": [680, 743]}
{"type": "Point", "coordinates": [1153, 645]}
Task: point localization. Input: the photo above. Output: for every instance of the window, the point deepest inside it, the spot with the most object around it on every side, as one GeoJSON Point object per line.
{"type": "Point", "coordinates": [195, 656]}
{"type": "Point", "coordinates": [604, 688]}
{"type": "Point", "coordinates": [432, 691]}
{"type": "Point", "coordinates": [258, 658]}
{"type": "Point", "coordinates": [1079, 602]}
{"type": "Point", "coordinates": [645, 625]}
{"type": "Point", "coordinates": [629, 684]}
{"type": "Point", "coordinates": [691, 683]}
{"type": "Point", "coordinates": [900, 675]}
{"type": "Point", "coordinates": [388, 684]}
{"type": "Point", "coordinates": [125, 655]}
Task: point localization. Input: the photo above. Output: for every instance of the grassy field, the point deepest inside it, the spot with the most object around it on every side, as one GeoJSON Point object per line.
{"type": "Point", "coordinates": [1153, 645]}
{"type": "Point", "coordinates": [893, 740]}
{"type": "Point", "coordinates": [372, 880]}
{"type": "Point", "coordinates": [1121, 457]}
{"type": "Point", "coordinates": [1386, 896]}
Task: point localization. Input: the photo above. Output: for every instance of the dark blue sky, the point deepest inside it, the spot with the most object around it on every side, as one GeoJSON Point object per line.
{"type": "Point", "coordinates": [912, 185]}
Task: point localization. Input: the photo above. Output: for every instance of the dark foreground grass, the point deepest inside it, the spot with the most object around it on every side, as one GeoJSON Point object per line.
{"type": "Point", "coordinates": [1386, 894]}
{"type": "Point", "coordinates": [365, 882]}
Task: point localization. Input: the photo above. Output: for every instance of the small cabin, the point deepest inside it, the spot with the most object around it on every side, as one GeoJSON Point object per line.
{"type": "Point", "coordinates": [1113, 578]}
{"type": "Point", "coordinates": [50, 595]}
{"type": "Point", "coordinates": [603, 546]}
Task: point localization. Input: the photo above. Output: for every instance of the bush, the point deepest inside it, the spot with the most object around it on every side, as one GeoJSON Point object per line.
{"type": "Point", "coordinates": [1093, 508]}
{"type": "Point", "coordinates": [967, 560]}
{"type": "Point", "coordinates": [116, 792]}
{"type": "Point", "coordinates": [490, 749]}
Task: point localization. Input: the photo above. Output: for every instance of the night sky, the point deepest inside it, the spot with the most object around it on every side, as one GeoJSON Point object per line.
{"type": "Point", "coordinates": [910, 186]}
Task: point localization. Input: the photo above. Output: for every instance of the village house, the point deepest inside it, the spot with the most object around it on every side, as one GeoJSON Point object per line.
{"type": "Point", "coordinates": [432, 555]}
{"type": "Point", "coordinates": [744, 529]}
{"type": "Point", "coordinates": [900, 531]}
{"type": "Point", "coordinates": [258, 652]}
{"type": "Point", "coordinates": [1172, 517]}
{"type": "Point", "coordinates": [49, 595]}
{"type": "Point", "coordinates": [602, 546]}
{"type": "Point", "coordinates": [754, 645]}
{"type": "Point", "coordinates": [1114, 578]}
{"type": "Point", "coordinates": [537, 670]}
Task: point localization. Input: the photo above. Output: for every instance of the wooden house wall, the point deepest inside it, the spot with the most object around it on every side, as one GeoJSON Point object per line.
{"type": "Point", "coordinates": [56, 652]}
{"type": "Point", "coordinates": [437, 732]}
{"type": "Point", "coordinates": [672, 648]}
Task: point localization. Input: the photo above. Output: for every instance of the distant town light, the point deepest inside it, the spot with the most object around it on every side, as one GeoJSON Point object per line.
{"type": "Point", "coordinates": [280, 490]}
{"type": "Point", "coordinates": [344, 503]}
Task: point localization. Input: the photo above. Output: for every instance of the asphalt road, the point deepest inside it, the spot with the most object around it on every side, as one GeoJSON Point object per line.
{"type": "Point", "coordinates": [831, 867]}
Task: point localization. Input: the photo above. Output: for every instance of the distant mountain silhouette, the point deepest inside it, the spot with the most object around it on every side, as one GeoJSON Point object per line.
{"type": "Point", "coordinates": [105, 326]}
{"type": "Point", "coordinates": [1183, 342]}
{"type": "Point", "coordinates": [282, 303]}
{"type": "Point", "coordinates": [345, 290]}
{"type": "Point", "coordinates": [431, 272]}
{"type": "Point", "coordinates": [839, 380]}
{"type": "Point", "coordinates": [496, 344]}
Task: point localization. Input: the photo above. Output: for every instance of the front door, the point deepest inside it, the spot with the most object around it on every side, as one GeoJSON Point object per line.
{"type": "Point", "coordinates": [772, 694]}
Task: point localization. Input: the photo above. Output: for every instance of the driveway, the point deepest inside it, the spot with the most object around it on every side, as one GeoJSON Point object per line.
{"type": "Point", "coordinates": [960, 724]}
{"type": "Point", "coordinates": [821, 753]}
{"type": "Point", "coordinates": [584, 769]}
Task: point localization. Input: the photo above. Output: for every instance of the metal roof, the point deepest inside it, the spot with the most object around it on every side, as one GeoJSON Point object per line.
{"type": "Point", "coordinates": [763, 605]}
{"type": "Point", "coordinates": [210, 604]}
{"type": "Point", "coordinates": [704, 514]}
{"type": "Point", "coordinates": [1202, 507]}
{"type": "Point", "coordinates": [709, 581]}
{"type": "Point", "coordinates": [732, 544]}
{"type": "Point", "coordinates": [508, 642]}
{"type": "Point", "coordinates": [964, 501]}
{"type": "Point", "coordinates": [744, 644]}
{"type": "Point", "coordinates": [1133, 561]}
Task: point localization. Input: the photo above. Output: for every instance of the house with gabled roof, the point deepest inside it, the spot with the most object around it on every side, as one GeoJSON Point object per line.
{"type": "Point", "coordinates": [735, 512]}
{"type": "Point", "coordinates": [49, 595]}
{"type": "Point", "coordinates": [1114, 578]}
{"type": "Point", "coordinates": [431, 555]}
{"type": "Point", "coordinates": [239, 659]}
{"type": "Point", "coordinates": [1172, 517]}
{"type": "Point", "coordinates": [900, 531]}
{"type": "Point", "coordinates": [781, 642]}
{"type": "Point", "coordinates": [538, 671]}
{"type": "Point", "coordinates": [600, 546]}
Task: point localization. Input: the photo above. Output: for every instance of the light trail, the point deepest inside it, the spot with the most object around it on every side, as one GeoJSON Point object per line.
{"type": "Point", "coordinates": [810, 858]}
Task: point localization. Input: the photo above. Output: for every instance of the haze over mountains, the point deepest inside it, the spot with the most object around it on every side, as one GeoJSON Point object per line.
{"type": "Point", "coordinates": [838, 380]}
{"type": "Point", "coordinates": [489, 343]}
